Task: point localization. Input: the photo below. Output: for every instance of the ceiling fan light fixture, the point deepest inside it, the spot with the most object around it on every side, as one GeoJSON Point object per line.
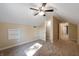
{"type": "Point", "coordinates": [41, 13]}
{"type": "Point", "coordinates": [42, 8]}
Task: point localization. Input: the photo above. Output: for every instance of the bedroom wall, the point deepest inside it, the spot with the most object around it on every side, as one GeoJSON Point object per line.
{"type": "Point", "coordinates": [52, 29]}
{"type": "Point", "coordinates": [41, 32]}
{"type": "Point", "coordinates": [73, 32]}
{"type": "Point", "coordinates": [28, 34]}
{"type": "Point", "coordinates": [56, 22]}
{"type": "Point", "coordinates": [78, 33]}
{"type": "Point", "coordinates": [73, 29]}
{"type": "Point", "coordinates": [49, 30]}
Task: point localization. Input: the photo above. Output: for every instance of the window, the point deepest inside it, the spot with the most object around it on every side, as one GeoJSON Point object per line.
{"type": "Point", "coordinates": [13, 34]}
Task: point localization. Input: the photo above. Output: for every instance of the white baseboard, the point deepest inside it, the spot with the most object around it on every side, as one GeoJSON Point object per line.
{"type": "Point", "coordinates": [15, 45]}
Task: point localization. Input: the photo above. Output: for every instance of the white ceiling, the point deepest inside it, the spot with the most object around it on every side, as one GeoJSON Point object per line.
{"type": "Point", "coordinates": [68, 11]}
{"type": "Point", "coordinates": [20, 13]}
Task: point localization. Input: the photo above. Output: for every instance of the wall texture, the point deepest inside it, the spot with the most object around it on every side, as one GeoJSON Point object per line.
{"type": "Point", "coordinates": [73, 32]}
{"type": "Point", "coordinates": [28, 34]}
{"type": "Point", "coordinates": [78, 33]}
{"type": "Point", "coordinates": [72, 28]}
{"type": "Point", "coordinates": [52, 29]}
{"type": "Point", "coordinates": [41, 32]}
{"type": "Point", "coordinates": [49, 30]}
{"type": "Point", "coordinates": [56, 22]}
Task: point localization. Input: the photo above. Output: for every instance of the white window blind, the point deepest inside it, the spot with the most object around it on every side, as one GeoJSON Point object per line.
{"type": "Point", "coordinates": [13, 34]}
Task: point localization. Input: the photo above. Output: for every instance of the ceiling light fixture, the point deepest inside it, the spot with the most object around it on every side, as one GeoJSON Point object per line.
{"type": "Point", "coordinates": [41, 13]}
{"type": "Point", "coordinates": [42, 10]}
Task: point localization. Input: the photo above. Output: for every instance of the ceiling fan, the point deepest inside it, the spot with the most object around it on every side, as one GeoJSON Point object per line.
{"type": "Point", "coordinates": [41, 10]}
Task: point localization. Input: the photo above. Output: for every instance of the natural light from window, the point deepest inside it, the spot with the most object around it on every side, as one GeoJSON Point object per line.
{"type": "Point", "coordinates": [33, 49]}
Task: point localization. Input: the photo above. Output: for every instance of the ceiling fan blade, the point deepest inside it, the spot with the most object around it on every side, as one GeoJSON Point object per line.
{"type": "Point", "coordinates": [51, 10]}
{"type": "Point", "coordinates": [43, 4]}
{"type": "Point", "coordinates": [34, 9]}
{"type": "Point", "coordinates": [36, 14]}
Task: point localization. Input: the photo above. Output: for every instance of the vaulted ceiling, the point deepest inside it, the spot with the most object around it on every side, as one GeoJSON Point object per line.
{"type": "Point", "coordinates": [20, 13]}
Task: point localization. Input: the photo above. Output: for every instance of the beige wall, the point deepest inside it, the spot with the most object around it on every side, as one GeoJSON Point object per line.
{"type": "Point", "coordinates": [28, 34]}
{"type": "Point", "coordinates": [49, 30]}
{"type": "Point", "coordinates": [41, 32]}
{"type": "Point", "coordinates": [78, 34]}
{"type": "Point", "coordinates": [52, 30]}
{"type": "Point", "coordinates": [73, 32]}
{"type": "Point", "coordinates": [56, 22]}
